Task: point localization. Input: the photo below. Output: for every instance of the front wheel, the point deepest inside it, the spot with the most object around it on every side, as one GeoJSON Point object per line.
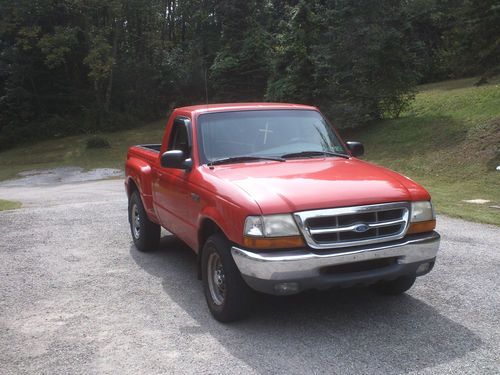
{"type": "Point", "coordinates": [145, 233]}
{"type": "Point", "coordinates": [228, 296]}
{"type": "Point", "coordinates": [397, 286]}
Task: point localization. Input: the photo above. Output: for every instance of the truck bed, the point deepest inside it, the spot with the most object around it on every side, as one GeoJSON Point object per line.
{"type": "Point", "coordinates": [151, 147]}
{"type": "Point", "coordinates": [148, 153]}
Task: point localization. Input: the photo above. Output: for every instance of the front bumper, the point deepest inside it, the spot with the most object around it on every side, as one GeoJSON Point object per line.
{"type": "Point", "coordinates": [292, 271]}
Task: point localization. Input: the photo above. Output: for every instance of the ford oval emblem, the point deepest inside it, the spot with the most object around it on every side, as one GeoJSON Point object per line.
{"type": "Point", "coordinates": [361, 228]}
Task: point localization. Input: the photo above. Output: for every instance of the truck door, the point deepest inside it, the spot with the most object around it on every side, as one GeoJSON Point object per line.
{"type": "Point", "coordinates": [171, 186]}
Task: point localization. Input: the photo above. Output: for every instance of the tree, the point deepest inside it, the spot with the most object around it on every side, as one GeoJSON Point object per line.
{"type": "Point", "coordinates": [71, 66]}
{"type": "Point", "coordinates": [293, 77]}
{"type": "Point", "coordinates": [477, 39]}
{"type": "Point", "coordinates": [354, 59]}
{"type": "Point", "coordinates": [240, 69]}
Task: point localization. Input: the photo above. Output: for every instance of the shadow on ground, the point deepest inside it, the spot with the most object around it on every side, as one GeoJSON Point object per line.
{"type": "Point", "coordinates": [347, 331]}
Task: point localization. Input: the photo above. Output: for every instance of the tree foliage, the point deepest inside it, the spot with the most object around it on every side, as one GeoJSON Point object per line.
{"type": "Point", "coordinates": [354, 60]}
{"type": "Point", "coordinates": [71, 66]}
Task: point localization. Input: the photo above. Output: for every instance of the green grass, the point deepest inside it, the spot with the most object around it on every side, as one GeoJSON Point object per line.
{"type": "Point", "coordinates": [8, 205]}
{"type": "Point", "coordinates": [72, 151]}
{"type": "Point", "coordinates": [449, 141]}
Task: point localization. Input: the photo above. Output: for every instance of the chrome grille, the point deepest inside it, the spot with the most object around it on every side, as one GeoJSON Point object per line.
{"type": "Point", "coordinates": [353, 226]}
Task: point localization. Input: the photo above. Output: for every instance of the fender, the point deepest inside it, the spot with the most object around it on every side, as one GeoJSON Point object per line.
{"type": "Point", "coordinates": [141, 173]}
{"type": "Point", "coordinates": [227, 216]}
{"type": "Point", "coordinates": [211, 214]}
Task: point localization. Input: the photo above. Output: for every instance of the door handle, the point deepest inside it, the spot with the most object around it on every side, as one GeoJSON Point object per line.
{"type": "Point", "coordinates": [195, 197]}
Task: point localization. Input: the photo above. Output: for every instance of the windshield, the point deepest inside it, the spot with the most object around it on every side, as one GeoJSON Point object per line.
{"type": "Point", "coordinates": [265, 133]}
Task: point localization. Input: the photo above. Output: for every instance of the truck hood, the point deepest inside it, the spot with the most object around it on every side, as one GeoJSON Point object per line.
{"type": "Point", "coordinates": [298, 185]}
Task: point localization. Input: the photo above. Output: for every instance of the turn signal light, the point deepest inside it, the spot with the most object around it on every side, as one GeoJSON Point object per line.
{"type": "Point", "coordinates": [421, 227]}
{"type": "Point", "coordinates": [273, 242]}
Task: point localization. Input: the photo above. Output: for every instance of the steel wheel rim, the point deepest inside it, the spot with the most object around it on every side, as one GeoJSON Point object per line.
{"type": "Point", "coordinates": [216, 279]}
{"type": "Point", "coordinates": [136, 222]}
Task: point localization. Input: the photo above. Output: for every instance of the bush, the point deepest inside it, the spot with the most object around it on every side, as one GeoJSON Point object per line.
{"type": "Point", "coordinates": [97, 142]}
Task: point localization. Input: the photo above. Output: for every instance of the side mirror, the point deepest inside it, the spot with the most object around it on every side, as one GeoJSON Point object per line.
{"type": "Point", "coordinates": [175, 159]}
{"type": "Point", "coordinates": [356, 148]}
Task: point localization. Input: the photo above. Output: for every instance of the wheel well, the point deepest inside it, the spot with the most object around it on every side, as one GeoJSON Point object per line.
{"type": "Point", "coordinates": [207, 228]}
{"type": "Point", "coordinates": [131, 187]}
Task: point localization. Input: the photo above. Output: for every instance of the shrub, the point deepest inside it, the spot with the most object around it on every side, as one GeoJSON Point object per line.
{"type": "Point", "coordinates": [97, 142]}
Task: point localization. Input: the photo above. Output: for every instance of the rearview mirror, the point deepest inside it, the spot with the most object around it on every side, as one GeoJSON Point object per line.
{"type": "Point", "coordinates": [356, 148]}
{"type": "Point", "coordinates": [175, 159]}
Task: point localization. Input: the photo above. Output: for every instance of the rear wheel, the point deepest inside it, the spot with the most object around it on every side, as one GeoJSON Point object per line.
{"type": "Point", "coordinates": [145, 233]}
{"type": "Point", "coordinates": [397, 286]}
{"type": "Point", "coordinates": [228, 296]}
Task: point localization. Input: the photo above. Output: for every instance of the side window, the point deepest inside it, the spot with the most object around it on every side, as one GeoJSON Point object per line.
{"type": "Point", "coordinates": [179, 138]}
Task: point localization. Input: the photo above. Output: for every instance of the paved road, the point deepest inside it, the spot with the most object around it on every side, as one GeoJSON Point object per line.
{"type": "Point", "coordinates": [76, 297]}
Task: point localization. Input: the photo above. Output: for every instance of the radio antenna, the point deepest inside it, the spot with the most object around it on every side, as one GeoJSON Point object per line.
{"type": "Point", "coordinates": [206, 87]}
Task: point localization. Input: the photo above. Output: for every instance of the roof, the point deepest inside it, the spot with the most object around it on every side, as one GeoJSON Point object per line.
{"type": "Point", "coordinates": [221, 107]}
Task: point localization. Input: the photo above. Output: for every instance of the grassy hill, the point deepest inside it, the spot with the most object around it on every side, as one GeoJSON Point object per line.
{"type": "Point", "coordinates": [449, 140]}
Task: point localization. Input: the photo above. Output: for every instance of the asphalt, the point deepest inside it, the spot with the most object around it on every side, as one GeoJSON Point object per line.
{"type": "Point", "coordinates": [76, 297]}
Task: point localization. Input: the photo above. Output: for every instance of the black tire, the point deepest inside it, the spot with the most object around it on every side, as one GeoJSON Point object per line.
{"type": "Point", "coordinates": [397, 286]}
{"type": "Point", "coordinates": [236, 296]}
{"type": "Point", "coordinates": [145, 233]}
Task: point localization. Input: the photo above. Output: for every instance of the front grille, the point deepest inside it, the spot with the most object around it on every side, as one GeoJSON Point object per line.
{"type": "Point", "coordinates": [352, 226]}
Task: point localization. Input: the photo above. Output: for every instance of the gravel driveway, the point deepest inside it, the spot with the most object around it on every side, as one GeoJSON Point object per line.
{"type": "Point", "coordinates": [77, 298]}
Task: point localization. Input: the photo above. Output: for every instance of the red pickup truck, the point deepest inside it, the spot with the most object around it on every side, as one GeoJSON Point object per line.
{"type": "Point", "coordinates": [271, 199]}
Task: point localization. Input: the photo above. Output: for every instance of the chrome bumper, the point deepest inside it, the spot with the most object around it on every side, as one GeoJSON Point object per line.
{"type": "Point", "coordinates": [264, 271]}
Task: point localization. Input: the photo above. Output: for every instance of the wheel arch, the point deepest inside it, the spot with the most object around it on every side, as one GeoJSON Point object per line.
{"type": "Point", "coordinates": [207, 227]}
{"type": "Point", "coordinates": [132, 186]}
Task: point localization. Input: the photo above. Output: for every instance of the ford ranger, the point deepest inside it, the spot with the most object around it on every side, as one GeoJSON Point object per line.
{"type": "Point", "coordinates": [271, 199]}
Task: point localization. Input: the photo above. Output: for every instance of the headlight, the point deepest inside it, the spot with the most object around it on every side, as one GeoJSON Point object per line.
{"type": "Point", "coordinates": [271, 232]}
{"type": "Point", "coordinates": [422, 211]}
{"type": "Point", "coordinates": [270, 226]}
{"type": "Point", "coordinates": [422, 218]}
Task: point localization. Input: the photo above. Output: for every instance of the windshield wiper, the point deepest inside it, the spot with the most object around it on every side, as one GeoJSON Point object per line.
{"type": "Point", "coordinates": [313, 153]}
{"type": "Point", "coordinates": [237, 159]}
